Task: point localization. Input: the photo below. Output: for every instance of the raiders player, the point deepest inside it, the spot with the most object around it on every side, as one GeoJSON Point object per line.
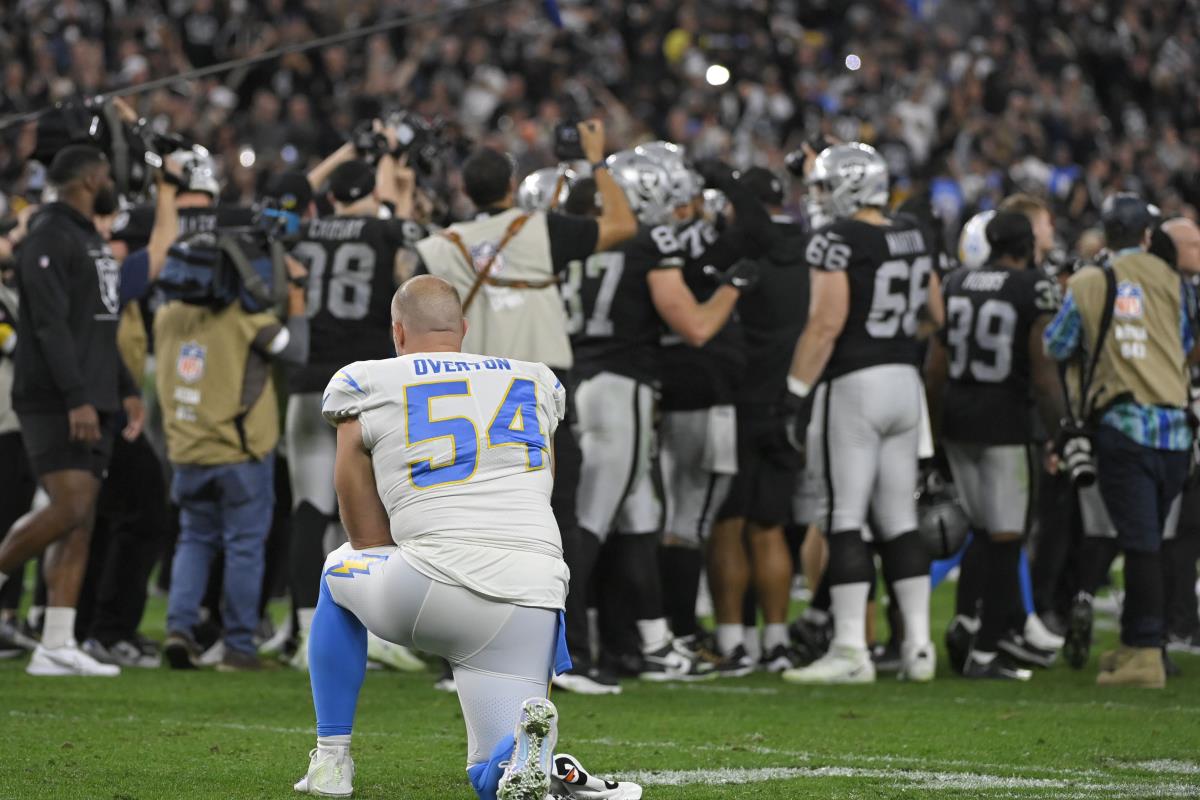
{"type": "Point", "coordinates": [980, 373]}
{"type": "Point", "coordinates": [617, 302]}
{"type": "Point", "coordinates": [355, 260]}
{"type": "Point", "coordinates": [698, 428]}
{"type": "Point", "coordinates": [855, 372]}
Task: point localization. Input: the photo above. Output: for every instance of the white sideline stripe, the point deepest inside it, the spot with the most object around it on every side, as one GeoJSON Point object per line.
{"type": "Point", "coordinates": [919, 779]}
{"type": "Point", "coordinates": [1167, 765]}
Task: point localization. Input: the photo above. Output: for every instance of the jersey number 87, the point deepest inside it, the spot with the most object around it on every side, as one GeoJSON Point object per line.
{"type": "Point", "coordinates": [514, 423]}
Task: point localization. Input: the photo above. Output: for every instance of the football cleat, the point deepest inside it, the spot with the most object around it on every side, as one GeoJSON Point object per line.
{"type": "Point", "coordinates": [330, 773]}
{"type": "Point", "coordinates": [887, 657]}
{"type": "Point", "coordinates": [778, 659]}
{"type": "Point", "coordinates": [1025, 651]}
{"type": "Point", "coordinates": [810, 639]}
{"type": "Point", "coordinates": [1039, 634]}
{"type": "Point", "coordinates": [959, 635]}
{"type": "Point", "coordinates": [595, 681]}
{"type": "Point", "coordinates": [918, 663]}
{"type": "Point", "coordinates": [673, 663]}
{"type": "Point", "coordinates": [841, 665]}
{"type": "Point", "coordinates": [181, 650]}
{"type": "Point", "coordinates": [68, 660]}
{"type": "Point", "coordinates": [737, 664]}
{"type": "Point", "coordinates": [124, 654]}
{"type": "Point", "coordinates": [1184, 644]}
{"type": "Point", "coordinates": [392, 655]}
{"type": "Point", "coordinates": [570, 781]}
{"type": "Point", "coordinates": [1078, 644]}
{"type": "Point", "coordinates": [1000, 668]}
{"type": "Point", "coordinates": [527, 773]}
{"type": "Point", "coordinates": [13, 638]}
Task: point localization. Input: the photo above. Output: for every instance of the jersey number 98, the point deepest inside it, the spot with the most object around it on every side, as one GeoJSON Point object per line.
{"type": "Point", "coordinates": [514, 423]}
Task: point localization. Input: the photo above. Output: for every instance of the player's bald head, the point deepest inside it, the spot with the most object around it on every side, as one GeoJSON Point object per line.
{"type": "Point", "coordinates": [427, 304]}
{"type": "Point", "coordinates": [1185, 236]}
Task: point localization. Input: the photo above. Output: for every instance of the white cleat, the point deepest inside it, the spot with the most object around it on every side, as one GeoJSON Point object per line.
{"type": "Point", "coordinates": [527, 774]}
{"type": "Point", "coordinates": [572, 782]}
{"type": "Point", "coordinates": [1041, 637]}
{"type": "Point", "coordinates": [330, 773]}
{"type": "Point", "coordinates": [391, 655]}
{"type": "Point", "coordinates": [299, 659]}
{"type": "Point", "coordinates": [841, 665]}
{"type": "Point", "coordinates": [68, 660]}
{"type": "Point", "coordinates": [918, 663]}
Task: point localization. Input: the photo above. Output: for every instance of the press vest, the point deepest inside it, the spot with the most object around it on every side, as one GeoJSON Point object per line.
{"type": "Point", "coordinates": [529, 324]}
{"type": "Point", "coordinates": [217, 398]}
{"type": "Point", "coordinates": [1142, 358]}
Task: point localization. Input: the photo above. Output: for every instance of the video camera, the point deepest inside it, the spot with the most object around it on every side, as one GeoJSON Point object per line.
{"type": "Point", "coordinates": [237, 264]}
{"type": "Point", "coordinates": [423, 141]}
{"type": "Point", "coordinates": [133, 150]}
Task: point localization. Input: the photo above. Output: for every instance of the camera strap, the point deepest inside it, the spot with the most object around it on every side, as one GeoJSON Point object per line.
{"type": "Point", "coordinates": [1106, 318]}
{"type": "Point", "coordinates": [268, 295]}
{"type": "Point", "coordinates": [484, 272]}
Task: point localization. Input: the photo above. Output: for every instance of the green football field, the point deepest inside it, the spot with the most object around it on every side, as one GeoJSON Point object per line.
{"type": "Point", "coordinates": [157, 734]}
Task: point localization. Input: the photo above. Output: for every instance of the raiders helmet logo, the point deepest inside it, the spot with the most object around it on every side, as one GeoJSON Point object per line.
{"type": "Point", "coordinates": [852, 172]}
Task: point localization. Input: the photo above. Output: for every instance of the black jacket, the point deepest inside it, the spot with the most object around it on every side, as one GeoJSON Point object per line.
{"type": "Point", "coordinates": [68, 283]}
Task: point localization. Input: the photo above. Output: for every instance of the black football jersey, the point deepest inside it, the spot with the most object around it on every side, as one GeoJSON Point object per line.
{"type": "Point", "coordinates": [989, 314]}
{"type": "Point", "coordinates": [888, 267]}
{"type": "Point", "coordinates": [702, 377]}
{"type": "Point", "coordinates": [134, 225]}
{"type": "Point", "coordinates": [611, 318]}
{"type": "Point", "coordinates": [350, 263]}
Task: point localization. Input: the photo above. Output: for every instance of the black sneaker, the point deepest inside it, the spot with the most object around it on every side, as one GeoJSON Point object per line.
{"type": "Point", "coordinates": [13, 637]}
{"type": "Point", "coordinates": [779, 658]}
{"type": "Point", "coordinates": [181, 651]}
{"type": "Point", "coordinates": [737, 664]}
{"type": "Point", "coordinates": [887, 657]}
{"type": "Point", "coordinates": [810, 640]}
{"type": "Point", "coordinates": [1000, 668]}
{"type": "Point", "coordinates": [1078, 641]}
{"type": "Point", "coordinates": [592, 681]}
{"type": "Point", "coordinates": [672, 663]}
{"type": "Point", "coordinates": [701, 645]}
{"type": "Point", "coordinates": [1025, 652]}
{"type": "Point", "coordinates": [1189, 643]}
{"type": "Point", "coordinates": [959, 635]}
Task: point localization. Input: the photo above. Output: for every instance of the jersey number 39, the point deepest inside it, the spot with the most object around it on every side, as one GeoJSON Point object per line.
{"type": "Point", "coordinates": [515, 423]}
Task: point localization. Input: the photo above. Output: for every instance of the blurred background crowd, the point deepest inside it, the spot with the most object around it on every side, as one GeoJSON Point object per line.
{"type": "Point", "coordinates": [1072, 99]}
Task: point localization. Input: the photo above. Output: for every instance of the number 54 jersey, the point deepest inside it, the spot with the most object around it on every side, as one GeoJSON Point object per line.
{"type": "Point", "coordinates": [460, 445]}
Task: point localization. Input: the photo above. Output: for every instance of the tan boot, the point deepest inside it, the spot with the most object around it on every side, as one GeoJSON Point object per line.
{"type": "Point", "coordinates": [1144, 669]}
{"type": "Point", "coordinates": [1114, 659]}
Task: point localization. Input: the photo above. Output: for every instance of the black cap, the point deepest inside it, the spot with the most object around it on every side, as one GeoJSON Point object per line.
{"type": "Point", "coordinates": [1009, 233]}
{"type": "Point", "coordinates": [1126, 217]}
{"type": "Point", "coordinates": [352, 181]}
{"type": "Point", "coordinates": [290, 191]}
{"type": "Point", "coordinates": [764, 185]}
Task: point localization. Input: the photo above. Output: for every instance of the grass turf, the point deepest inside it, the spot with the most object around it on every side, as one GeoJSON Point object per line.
{"type": "Point", "coordinates": [157, 734]}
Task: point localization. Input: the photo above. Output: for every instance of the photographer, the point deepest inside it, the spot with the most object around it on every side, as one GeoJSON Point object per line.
{"type": "Point", "coordinates": [69, 384]}
{"type": "Point", "coordinates": [222, 426]}
{"type": "Point", "coordinates": [1133, 321]}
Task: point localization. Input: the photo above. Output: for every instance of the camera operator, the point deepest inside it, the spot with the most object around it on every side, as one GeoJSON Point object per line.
{"type": "Point", "coordinates": [355, 259]}
{"type": "Point", "coordinates": [506, 265]}
{"type": "Point", "coordinates": [69, 383]}
{"type": "Point", "coordinates": [222, 427]}
{"type": "Point", "coordinates": [1134, 322]}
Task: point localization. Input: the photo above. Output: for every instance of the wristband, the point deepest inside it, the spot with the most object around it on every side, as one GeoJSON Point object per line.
{"type": "Point", "coordinates": [601, 164]}
{"type": "Point", "coordinates": [798, 387]}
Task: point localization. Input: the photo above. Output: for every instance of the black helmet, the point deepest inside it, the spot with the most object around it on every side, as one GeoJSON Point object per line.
{"type": "Point", "coordinates": [942, 523]}
{"type": "Point", "coordinates": [1126, 217]}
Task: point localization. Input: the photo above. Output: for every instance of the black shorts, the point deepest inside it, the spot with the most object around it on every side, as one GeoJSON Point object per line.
{"type": "Point", "coordinates": [768, 468]}
{"type": "Point", "coordinates": [48, 444]}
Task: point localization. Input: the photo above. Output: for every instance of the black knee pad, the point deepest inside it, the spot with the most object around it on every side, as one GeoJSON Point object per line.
{"type": "Point", "coordinates": [905, 557]}
{"type": "Point", "coordinates": [849, 559]}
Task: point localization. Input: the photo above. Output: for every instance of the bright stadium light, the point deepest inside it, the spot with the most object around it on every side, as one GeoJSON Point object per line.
{"type": "Point", "coordinates": [246, 157]}
{"type": "Point", "coordinates": [717, 75]}
{"type": "Point", "coordinates": [853, 62]}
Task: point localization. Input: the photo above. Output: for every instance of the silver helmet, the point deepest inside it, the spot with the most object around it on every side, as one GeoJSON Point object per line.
{"type": "Point", "coordinates": [646, 185]}
{"type": "Point", "coordinates": [844, 179]}
{"type": "Point", "coordinates": [942, 523]}
{"type": "Point", "coordinates": [199, 171]}
{"type": "Point", "coordinates": [536, 192]}
{"type": "Point", "coordinates": [685, 184]}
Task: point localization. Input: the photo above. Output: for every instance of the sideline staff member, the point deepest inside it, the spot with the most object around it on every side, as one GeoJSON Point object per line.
{"type": "Point", "coordinates": [222, 425]}
{"type": "Point", "coordinates": [1138, 393]}
{"type": "Point", "coordinates": [69, 384]}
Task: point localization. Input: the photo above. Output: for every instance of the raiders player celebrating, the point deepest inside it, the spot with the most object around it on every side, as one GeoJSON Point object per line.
{"type": "Point", "coordinates": [991, 352]}
{"type": "Point", "coordinates": [354, 261]}
{"type": "Point", "coordinates": [855, 371]}
{"type": "Point", "coordinates": [617, 302]}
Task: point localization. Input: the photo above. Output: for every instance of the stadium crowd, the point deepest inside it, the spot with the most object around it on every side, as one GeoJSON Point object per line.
{"type": "Point", "coordinates": [1043, 111]}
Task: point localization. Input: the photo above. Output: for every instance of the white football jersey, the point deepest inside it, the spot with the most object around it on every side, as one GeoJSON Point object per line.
{"type": "Point", "coordinates": [461, 446]}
